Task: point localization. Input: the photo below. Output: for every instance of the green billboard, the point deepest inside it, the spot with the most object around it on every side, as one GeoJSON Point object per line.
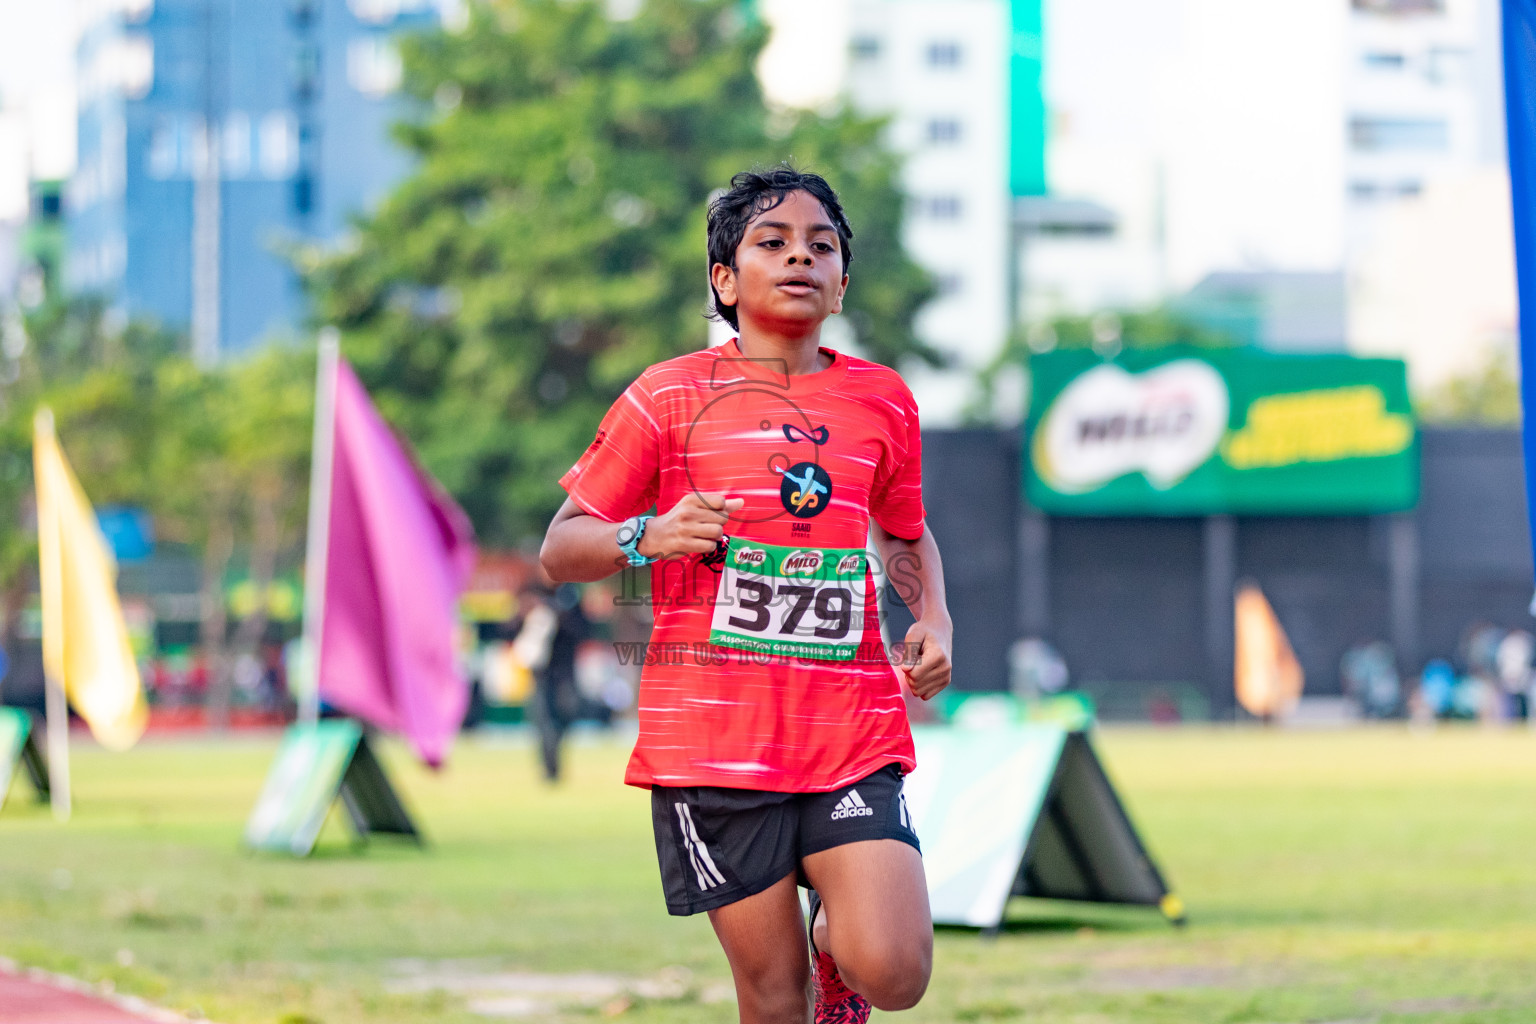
{"type": "Point", "coordinates": [1179, 431]}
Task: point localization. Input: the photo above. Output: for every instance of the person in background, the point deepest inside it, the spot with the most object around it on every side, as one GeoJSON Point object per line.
{"type": "Point", "coordinates": [553, 626]}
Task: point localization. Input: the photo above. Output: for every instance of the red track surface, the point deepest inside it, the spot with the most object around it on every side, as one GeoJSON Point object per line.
{"type": "Point", "coordinates": [24, 1001]}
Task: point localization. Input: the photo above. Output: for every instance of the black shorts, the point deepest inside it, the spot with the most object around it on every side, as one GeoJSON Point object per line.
{"type": "Point", "coordinates": [718, 845]}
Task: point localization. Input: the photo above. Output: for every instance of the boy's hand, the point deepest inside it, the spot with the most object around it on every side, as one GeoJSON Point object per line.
{"type": "Point", "coordinates": [926, 657]}
{"type": "Point", "coordinates": [693, 527]}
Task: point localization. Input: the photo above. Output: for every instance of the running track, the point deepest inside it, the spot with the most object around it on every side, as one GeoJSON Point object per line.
{"type": "Point", "coordinates": [32, 999]}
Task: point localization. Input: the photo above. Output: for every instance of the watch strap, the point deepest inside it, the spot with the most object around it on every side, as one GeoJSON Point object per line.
{"type": "Point", "coordinates": [631, 548]}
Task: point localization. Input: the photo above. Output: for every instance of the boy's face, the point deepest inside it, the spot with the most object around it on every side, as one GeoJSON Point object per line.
{"type": "Point", "coordinates": [789, 267]}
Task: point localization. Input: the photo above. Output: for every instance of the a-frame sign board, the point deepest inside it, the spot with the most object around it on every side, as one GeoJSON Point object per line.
{"type": "Point", "coordinates": [1024, 810]}
{"type": "Point", "coordinates": [18, 747]}
{"type": "Point", "coordinates": [316, 765]}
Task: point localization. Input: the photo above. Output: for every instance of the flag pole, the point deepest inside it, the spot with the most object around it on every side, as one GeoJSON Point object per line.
{"type": "Point", "coordinates": [58, 748]}
{"type": "Point", "coordinates": [317, 544]}
{"type": "Point", "coordinates": [56, 705]}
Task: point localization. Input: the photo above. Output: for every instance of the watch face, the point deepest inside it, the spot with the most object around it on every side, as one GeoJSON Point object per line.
{"type": "Point", "coordinates": [627, 531]}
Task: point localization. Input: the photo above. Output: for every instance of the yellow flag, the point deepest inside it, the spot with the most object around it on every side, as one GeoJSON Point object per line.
{"type": "Point", "coordinates": [85, 641]}
{"type": "Point", "coordinates": [1269, 678]}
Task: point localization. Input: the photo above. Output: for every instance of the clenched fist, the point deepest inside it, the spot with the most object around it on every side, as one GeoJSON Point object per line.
{"type": "Point", "coordinates": [926, 657]}
{"type": "Point", "coordinates": [693, 527]}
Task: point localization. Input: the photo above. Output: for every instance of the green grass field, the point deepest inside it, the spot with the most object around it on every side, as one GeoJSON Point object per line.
{"type": "Point", "coordinates": [1360, 876]}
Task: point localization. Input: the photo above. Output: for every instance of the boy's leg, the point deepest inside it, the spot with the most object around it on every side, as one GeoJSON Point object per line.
{"type": "Point", "coordinates": [875, 920]}
{"type": "Point", "coordinates": [764, 939]}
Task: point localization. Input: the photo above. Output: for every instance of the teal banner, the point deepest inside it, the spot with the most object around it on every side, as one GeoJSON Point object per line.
{"type": "Point", "coordinates": [15, 734]}
{"type": "Point", "coordinates": [14, 728]}
{"type": "Point", "coordinates": [1027, 124]}
{"type": "Point", "coordinates": [1023, 810]}
{"type": "Point", "coordinates": [974, 801]}
{"type": "Point", "coordinates": [303, 783]}
{"type": "Point", "coordinates": [1201, 432]}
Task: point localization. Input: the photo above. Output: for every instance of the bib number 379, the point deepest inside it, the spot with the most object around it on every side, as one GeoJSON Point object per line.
{"type": "Point", "coordinates": [803, 602]}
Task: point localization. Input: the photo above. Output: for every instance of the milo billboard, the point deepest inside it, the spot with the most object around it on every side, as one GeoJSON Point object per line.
{"type": "Point", "coordinates": [1199, 432]}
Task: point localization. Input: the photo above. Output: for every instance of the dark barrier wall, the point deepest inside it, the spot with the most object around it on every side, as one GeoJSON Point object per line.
{"type": "Point", "coordinates": [971, 489]}
{"type": "Point", "coordinates": [1475, 545]}
{"type": "Point", "coordinates": [1130, 602]}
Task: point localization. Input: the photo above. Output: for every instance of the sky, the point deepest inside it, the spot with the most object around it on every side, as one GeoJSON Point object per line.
{"type": "Point", "coordinates": [806, 57]}
{"type": "Point", "coordinates": [802, 67]}
{"type": "Point", "coordinates": [37, 126]}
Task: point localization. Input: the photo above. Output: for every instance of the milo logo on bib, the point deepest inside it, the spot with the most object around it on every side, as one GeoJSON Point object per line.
{"type": "Point", "coordinates": [801, 602]}
{"type": "Point", "coordinates": [750, 558]}
{"type": "Point", "coordinates": [800, 563]}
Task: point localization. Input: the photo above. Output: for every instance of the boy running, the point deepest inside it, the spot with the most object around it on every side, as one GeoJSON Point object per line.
{"type": "Point", "coordinates": [773, 732]}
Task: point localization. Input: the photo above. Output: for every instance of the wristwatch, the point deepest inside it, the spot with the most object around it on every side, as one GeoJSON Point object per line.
{"type": "Point", "coordinates": [630, 532]}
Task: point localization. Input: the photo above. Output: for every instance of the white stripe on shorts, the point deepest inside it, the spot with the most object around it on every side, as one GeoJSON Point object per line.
{"type": "Point", "coordinates": [703, 864]}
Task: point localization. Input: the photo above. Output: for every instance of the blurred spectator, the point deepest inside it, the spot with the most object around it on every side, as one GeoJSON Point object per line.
{"type": "Point", "coordinates": [274, 682]}
{"type": "Point", "coordinates": [1035, 669]}
{"type": "Point", "coordinates": [1437, 686]}
{"type": "Point", "coordinates": [1370, 679]}
{"type": "Point", "coordinates": [600, 680]}
{"type": "Point", "coordinates": [1513, 663]}
{"type": "Point", "coordinates": [1482, 694]}
{"type": "Point", "coordinates": [248, 673]}
{"type": "Point", "coordinates": [552, 629]}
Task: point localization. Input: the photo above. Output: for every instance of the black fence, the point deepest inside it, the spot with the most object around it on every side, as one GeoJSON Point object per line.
{"type": "Point", "coordinates": [1140, 608]}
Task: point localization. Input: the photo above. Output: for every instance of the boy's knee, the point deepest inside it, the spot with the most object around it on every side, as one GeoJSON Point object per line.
{"type": "Point", "coordinates": [900, 991]}
{"type": "Point", "coordinates": [775, 992]}
{"type": "Point", "coordinates": [777, 1006]}
{"type": "Point", "coordinates": [891, 979]}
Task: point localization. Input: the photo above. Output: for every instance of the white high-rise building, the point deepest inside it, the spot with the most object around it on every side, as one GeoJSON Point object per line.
{"type": "Point", "coordinates": [1428, 246]}
{"type": "Point", "coordinates": [1422, 97]}
{"type": "Point", "coordinates": [939, 70]}
{"type": "Point", "coordinates": [1342, 159]}
{"type": "Point", "coordinates": [1357, 138]}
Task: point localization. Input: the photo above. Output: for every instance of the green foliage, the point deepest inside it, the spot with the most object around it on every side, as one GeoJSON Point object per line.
{"type": "Point", "coordinates": [1489, 395]}
{"type": "Point", "coordinates": [1152, 328]}
{"type": "Point", "coordinates": [550, 244]}
{"type": "Point", "coordinates": [1107, 331]}
{"type": "Point", "coordinates": [98, 378]}
{"type": "Point", "coordinates": [219, 456]}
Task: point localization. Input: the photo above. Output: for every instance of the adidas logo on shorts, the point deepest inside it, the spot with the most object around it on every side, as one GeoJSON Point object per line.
{"type": "Point", "coordinates": [852, 806]}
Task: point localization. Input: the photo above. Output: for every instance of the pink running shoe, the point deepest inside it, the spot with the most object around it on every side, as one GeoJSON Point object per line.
{"type": "Point", "coordinates": [836, 1003]}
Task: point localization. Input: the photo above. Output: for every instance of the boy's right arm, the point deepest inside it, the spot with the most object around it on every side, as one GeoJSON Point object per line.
{"type": "Point", "coordinates": [581, 548]}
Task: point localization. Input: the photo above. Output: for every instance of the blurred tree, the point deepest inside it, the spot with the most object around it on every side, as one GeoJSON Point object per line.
{"type": "Point", "coordinates": [230, 472]}
{"type": "Point", "coordinates": [98, 376]}
{"type": "Point", "coordinates": [271, 423]}
{"type": "Point", "coordinates": [1107, 331]}
{"type": "Point", "coordinates": [550, 244]}
{"type": "Point", "coordinates": [1110, 331]}
{"type": "Point", "coordinates": [1488, 395]}
{"type": "Point", "coordinates": [219, 456]}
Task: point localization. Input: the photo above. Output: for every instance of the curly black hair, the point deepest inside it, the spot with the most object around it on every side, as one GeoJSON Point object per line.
{"type": "Point", "coordinates": [756, 192]}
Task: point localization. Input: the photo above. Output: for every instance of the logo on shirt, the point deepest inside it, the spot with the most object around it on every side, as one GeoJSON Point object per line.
{"type": "Point", "coordinates": [750, 435]}
{"type": "Point", "coordinates": [805, 490]}
{"type": "Point", "coordinates": [852, 806]}
{"type": "Point", "coordinates": [793, 434]}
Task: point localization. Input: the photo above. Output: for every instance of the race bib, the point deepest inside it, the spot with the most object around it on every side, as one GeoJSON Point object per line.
{"type": "Point", "coordinates": [802, 602]}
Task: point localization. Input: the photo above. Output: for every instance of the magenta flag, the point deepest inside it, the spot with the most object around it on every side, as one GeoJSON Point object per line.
{"type": "Point", "coordinates": [400, 552]}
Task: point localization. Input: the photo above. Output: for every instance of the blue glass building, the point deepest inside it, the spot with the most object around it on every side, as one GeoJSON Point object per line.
{"type": "Point", "coordinates": [215, 135]}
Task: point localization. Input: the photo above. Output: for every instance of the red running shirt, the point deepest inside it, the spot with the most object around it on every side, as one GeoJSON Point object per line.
{"type": "Point", "coordinates": [713, 421]}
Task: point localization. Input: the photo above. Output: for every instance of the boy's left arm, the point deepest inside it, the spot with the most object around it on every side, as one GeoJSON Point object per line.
{"type": "Point", "coordinates": [914, 569]}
